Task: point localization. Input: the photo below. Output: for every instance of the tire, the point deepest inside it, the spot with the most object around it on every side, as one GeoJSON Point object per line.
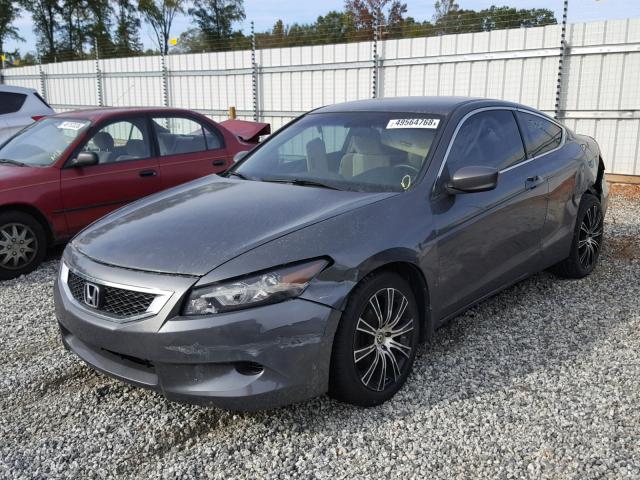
{"type": "Point", "coordinates": [586, 243]}
{"type": "Point", "coordinates": [360, 337]}
{"type": "Point", "coordinates": [23, 244]}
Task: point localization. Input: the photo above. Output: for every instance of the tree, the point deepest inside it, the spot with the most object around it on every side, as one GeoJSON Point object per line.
{"type": "Point", "coordinates": [215, 18]}
{"type": "Point", "coordinates": [191, 41]}
{"type": "Point", "coordinates": [449, 18]}
{"type": "Point", "coordinates": [159, 14]}
{"type": "Point", "coordinates": [72, 28]}
{"type": "Point", "coordinates": [99, 24]}
{"type": "Point", "coordinates": [127, 38]}
{"type": "Point", "coordinates": [507, 17]}
{"type": "Point", "coordinates": [8, 13]}
{"type": "Point", "coordinates": [335, 27]}
{"type": "Point", "coordinates": [46, 22]}
{"type": "Point", "coordinates": [443, 8]}
{"type": "Point", "coordinates": [367, 13]}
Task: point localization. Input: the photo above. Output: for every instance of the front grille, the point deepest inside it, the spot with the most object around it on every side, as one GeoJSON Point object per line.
{"type": "Point", "coordinates": [116, 302]}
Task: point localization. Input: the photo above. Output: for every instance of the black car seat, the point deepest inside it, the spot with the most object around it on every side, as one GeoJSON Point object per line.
{"type": "Point", "coordinates": [135, 149]}
{"type": "Point", "coordinates": [104, 142]}
{"type": "Point", "coordinates": [317, 156]}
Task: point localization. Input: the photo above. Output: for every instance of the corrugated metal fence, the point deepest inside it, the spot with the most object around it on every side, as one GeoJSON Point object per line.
{"type": "Point", "coordinates": [599, 94]}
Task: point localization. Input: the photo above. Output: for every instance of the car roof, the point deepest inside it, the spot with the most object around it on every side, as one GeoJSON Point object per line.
{"type": "Point", "coordinates": [433, 105]}
{"type": "Point", "coordinates": [95, 114]}
{"type": "Point", "coordinates": [13, 89]}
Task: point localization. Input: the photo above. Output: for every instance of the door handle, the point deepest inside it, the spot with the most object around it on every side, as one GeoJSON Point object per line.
{"type": "Point", "coordinates": [219, 163]}
{"type": "Point", "coordinates": [148, 173]}
{"type": "Point", "coordinates": [532, 182]}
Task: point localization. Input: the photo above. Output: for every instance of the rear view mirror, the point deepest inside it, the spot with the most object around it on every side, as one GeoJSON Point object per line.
{"type": "Point", "coordinates": [239, 156]}
{"type": "Point", "coordinates": [85, 159]}
{"type": "Point", "coordinates": [473, 179]}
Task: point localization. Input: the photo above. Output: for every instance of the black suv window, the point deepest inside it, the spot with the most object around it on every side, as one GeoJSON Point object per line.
{"type": "Point", "coordinates": [11, 102]}
{"type": "Point", "coordinates": [488, 138]}
{"type": "Point", "coordinates": [540, 135]}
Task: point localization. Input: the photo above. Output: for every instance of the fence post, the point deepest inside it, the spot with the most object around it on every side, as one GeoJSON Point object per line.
{"type": "Point", "coordinates": [98, 76]}
{"type": "Point", "coordinates": [563, 53]}
{"type": "Point", "coordinates": [254, 74]}
{"type": "Point", "coordinates": [374, 74]}
{"type": "Point", "coordinates": [165, 80]}
{"type": "Point", "coordinates": [43, 79]}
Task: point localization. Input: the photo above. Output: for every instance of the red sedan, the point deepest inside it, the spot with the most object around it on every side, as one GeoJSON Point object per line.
{"type": "Point", "coordinates": [65, 171]}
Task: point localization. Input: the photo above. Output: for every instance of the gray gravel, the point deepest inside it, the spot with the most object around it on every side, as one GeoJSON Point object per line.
{"type": "Point", "coordinates": [541, 381]}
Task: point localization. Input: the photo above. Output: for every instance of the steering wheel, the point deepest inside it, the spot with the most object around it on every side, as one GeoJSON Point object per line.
{"type": "Point", "coordinates": [408, 169]}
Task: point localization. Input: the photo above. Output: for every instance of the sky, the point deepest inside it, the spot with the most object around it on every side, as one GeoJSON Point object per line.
{"type": "Point", "coordinates": [265, 13]}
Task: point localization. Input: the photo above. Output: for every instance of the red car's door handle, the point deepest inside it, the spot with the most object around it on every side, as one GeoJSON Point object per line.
{"type": "Point", "coordinates": [148, 173]}
{"type": "Point", "coordinates": [219, 163]}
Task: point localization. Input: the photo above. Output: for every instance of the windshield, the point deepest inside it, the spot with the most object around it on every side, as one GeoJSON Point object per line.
{"type": "Point", "coordinates": [42, 143]}
{"type": "Point", "coordinates": [363, 151]}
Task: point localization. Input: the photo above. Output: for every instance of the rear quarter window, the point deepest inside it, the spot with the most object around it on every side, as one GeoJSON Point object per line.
{"type": "Point", "coordinates": [37, 95]}
{"type": "Point", "coordinates": [11, 102]}
{"type": "Point", "coordinates": [540, 135]}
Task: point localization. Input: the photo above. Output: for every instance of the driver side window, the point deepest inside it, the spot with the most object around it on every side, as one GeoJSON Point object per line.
{"type": "Point", "coordinates": [490, 139]}
{"type": "Point", "coordinates": [121, 141]}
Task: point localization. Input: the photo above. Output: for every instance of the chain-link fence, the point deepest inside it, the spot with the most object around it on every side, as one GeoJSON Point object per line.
{"type": "Point", "coordinates": [587, 78]}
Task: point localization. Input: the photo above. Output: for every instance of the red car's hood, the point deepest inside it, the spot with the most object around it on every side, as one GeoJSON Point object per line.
{"type": "Point", "coordinates": [12, 176]}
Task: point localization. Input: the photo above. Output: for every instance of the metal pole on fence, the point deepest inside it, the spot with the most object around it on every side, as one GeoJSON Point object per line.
{"type": "Point", "coordinates": [43, 79]}
{"type": "Point", "coordinates": [563, 53]}
{"type": "Point", "coordinates": [254, 74]}
{"type": "Point", "coordinates": [374, 74]}
{"type": "Point", "coordinates": [165, 80]}
{"type": "Point", "coordinates": [98, 76]}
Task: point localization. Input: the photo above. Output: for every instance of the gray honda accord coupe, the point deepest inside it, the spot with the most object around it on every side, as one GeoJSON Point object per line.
{"type": "Point", "coordinates": [322, 258]}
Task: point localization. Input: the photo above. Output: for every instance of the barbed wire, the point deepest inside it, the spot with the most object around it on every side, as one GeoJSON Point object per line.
{"type": "Point", "coordinates": [308, 35]}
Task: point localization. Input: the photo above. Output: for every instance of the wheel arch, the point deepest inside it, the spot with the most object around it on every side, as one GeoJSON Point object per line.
{"type": "Point", "coordinates": [416, 279]}
{"type": "Point", "coordinates": [35, 213]}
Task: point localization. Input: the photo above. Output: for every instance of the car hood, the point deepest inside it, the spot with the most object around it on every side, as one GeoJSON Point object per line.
{"type": "Point", "coordinates": [197, 227]}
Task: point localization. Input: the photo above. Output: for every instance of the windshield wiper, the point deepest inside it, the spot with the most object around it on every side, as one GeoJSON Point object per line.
{"type": "Point", "coordinates": [12, 162]}
{"type": "Point", "coordinates": [300, 181]}
{"type": "Point", "coordinates": [239, 175]}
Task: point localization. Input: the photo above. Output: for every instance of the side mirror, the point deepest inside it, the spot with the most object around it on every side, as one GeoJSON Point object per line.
{"type": "Point", "coordinates": [473, 179]}
{"type": "Point", "coordinates": [85, 159]}
{"type": "Point", "coordinates": [239, 156]}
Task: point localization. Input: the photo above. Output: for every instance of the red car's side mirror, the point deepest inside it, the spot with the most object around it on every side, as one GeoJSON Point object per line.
{"type": "Point", "coordinates": [85, 159]}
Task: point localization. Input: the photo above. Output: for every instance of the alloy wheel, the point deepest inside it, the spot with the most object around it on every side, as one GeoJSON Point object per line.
{"type": "Point", "coordinates": [383, 340]}
{"type": "Point", "coordinates": [590, 238]}
{"type": "Point", "coordinates": [18, 246]}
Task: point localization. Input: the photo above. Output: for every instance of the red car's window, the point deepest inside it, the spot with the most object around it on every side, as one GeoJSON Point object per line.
{"type": "Point", "coordinates": [121, 141]}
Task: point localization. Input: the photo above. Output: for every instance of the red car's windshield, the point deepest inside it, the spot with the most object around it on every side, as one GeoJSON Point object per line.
{"type": "Point", "coordinates": [42, 143]}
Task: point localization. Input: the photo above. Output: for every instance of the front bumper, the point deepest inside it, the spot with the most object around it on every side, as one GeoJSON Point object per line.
{"type": "Point", "coordinates": [251, 359]}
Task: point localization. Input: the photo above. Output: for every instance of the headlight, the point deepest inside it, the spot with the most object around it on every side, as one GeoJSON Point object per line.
{"type": "Point", "coordinates": [267, 287]}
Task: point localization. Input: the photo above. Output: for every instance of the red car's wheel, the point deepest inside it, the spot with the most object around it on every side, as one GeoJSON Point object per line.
{"type": "Point", "coordinates": [23, 244]}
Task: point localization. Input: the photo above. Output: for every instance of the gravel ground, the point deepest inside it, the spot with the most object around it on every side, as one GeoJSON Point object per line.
{"type": "Point", "coordinates": [542, 380]}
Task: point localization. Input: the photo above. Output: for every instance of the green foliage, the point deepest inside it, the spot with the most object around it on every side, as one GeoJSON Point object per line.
{"type": "Point", "coordinates": [71, 29]}
{"type": "Point", "coordinates": [160, 14]}
{"type": "Point", "coordinates": [126, 41]}
{"type": "Point", "coordinates": [8, 14]}
{"type": "Point", "coordinates": [450, 18]}
{"type": "Point", "coordinates": [215, 19]}
{"type": "Point", "coordinates": [45, 14]}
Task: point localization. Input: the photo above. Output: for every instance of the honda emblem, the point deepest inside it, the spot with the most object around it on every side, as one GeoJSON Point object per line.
{"type": "Point", "coordinates": [92, 295]}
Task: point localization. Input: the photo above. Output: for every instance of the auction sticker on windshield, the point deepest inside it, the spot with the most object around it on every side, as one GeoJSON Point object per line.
{"type": "Point", "coordinates": [71, 125]}
{"type": "Point", "coordinates": [413, 123]}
